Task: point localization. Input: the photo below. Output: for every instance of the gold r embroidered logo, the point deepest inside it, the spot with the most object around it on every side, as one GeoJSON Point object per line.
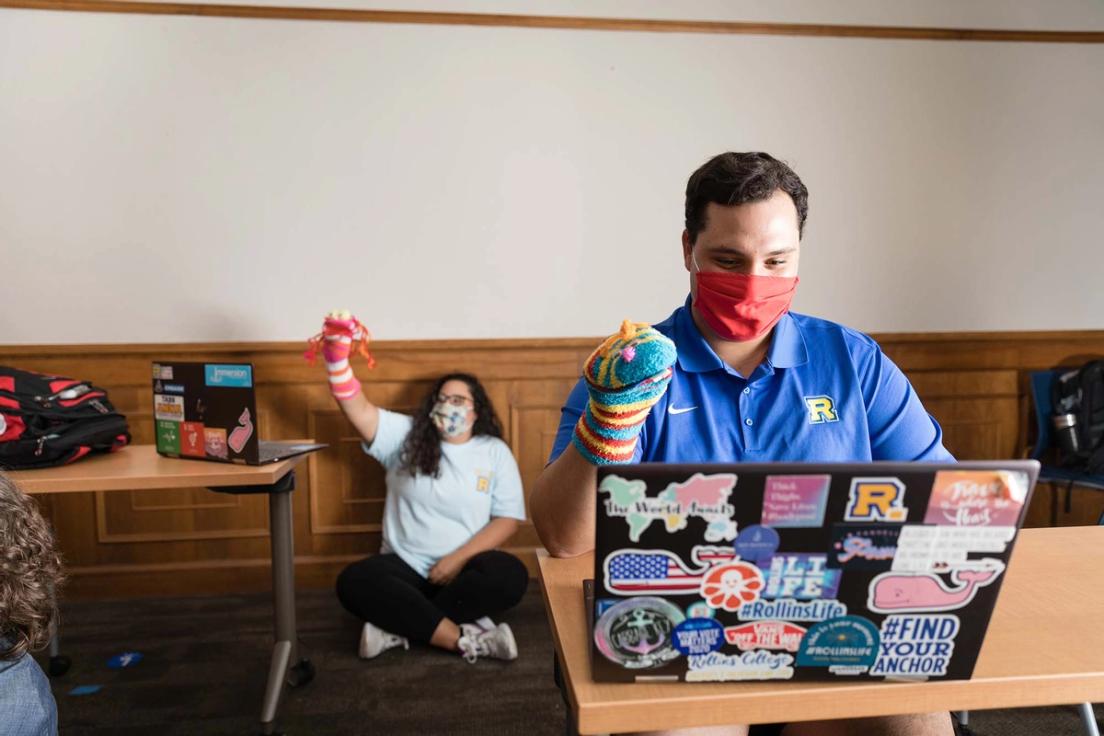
{"type": "Point", "coordinates": [821, 409]}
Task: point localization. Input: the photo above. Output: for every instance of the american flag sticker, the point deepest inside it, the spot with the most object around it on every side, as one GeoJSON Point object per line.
{"type": "Point", "coordinates": [652, 571]}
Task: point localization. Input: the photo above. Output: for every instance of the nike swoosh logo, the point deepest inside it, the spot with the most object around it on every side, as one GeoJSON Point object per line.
{"type": "Point", "coordinates": [673, 410]}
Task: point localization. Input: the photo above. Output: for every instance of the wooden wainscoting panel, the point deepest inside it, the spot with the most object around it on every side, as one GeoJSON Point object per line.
{"type": "Point", "coordinates": [140, 422]}
{"type": "Point", "coordinates": [977, 430]}
{"type": "Point", "coordinates": [965, 384]}
{"type": "Point", "coordinates": [182, 499]}
{"type": "Point", "coordinates": [979, 411]}
{"type": "Point", "coordinates": [191, 515]}
{"type": "Point", "coordinates": [347, 487]}
{"type": "Point", "coordinates": [193, 541]}
{"type": "Point", "coordinates": [534, 417]}
{"type": "Point", "coordinates": [1057, 504]}
{"type": "Point", "coordinates": [534, 431]}
{"type": "Point", "coordinates": [971, 351]}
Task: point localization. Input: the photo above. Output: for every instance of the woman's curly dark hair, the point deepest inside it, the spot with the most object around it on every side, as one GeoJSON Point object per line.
{"type": "Point", "coordinates": [421, 450]}
{"type": "Point", "coordinates": [30, 574]}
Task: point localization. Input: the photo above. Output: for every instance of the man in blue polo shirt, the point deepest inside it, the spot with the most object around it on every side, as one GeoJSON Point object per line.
{"type": "Point", "coordinates": [752, 381]}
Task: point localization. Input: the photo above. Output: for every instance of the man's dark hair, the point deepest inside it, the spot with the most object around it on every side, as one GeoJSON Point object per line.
{"type": "Point", "coordinates": [738, 178]}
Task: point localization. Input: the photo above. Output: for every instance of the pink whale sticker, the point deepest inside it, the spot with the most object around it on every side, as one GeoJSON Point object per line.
{"type": "Point", "coordinates": [893, 592]}
{"type": "Point", "coordinates": [241, 433]}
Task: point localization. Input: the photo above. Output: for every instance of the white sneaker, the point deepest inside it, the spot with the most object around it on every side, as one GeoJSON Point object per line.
{"type": "Point", "coordinates": [485, 623]}
{"type": "Point", "coordinates": [374, 640]}
{"type": "Point", "coordinates": [496, 643]}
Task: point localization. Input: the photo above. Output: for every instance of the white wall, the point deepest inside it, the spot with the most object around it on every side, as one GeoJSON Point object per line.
{"type": "Point", "coordinates": [193, 179]}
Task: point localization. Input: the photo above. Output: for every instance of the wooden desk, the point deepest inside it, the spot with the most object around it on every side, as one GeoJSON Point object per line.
{"type": "Point", "coordinates": [1045, 646]}
{"type": "Point", "coordinates": [139, 467]}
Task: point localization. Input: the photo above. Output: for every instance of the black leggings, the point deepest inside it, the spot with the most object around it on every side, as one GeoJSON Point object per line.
{"type": "Point", "coordinates": [387, 592]}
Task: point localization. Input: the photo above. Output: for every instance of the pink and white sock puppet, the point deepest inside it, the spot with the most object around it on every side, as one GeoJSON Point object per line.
{"type": "Point", "coordinates": [341, 334]}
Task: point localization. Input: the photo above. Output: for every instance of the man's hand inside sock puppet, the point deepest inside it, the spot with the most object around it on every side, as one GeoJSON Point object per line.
{"type": "Point", "coordinates": [625, 376]}
{"type": "Point", "coordinates": [341, 334]}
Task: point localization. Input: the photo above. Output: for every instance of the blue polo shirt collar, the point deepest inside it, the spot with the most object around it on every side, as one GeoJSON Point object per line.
{"type": "Point", "coordinates": [787, 348]}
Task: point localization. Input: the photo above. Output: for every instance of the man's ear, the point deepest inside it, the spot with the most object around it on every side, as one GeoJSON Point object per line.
{"type": "Point", "coordinates": [687, 251]}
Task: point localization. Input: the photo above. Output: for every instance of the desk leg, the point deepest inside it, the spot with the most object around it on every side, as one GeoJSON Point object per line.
{"type": "Point", "coordinates": [59, 664]}
{"type": "Point", "coordinates": [286, 649]}
{"type": "Point", "coordinates": [1088, 718]}
{"type": "Point", "coordinates": [571, 718]}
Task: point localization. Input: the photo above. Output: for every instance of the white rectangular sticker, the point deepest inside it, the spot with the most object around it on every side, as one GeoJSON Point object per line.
{"type": "Point", "coordinates": [923, 548]}
{"type": "Point", "coordinates": [169, 408]}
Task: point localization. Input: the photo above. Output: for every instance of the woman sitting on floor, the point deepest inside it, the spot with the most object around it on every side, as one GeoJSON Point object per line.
{"type": "Point", "coordinates": [453, 495]}
{"type": "Point", "coordinates": [30, 571]}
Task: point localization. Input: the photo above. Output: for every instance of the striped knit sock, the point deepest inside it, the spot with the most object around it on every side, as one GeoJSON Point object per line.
{"type": "Point", "coordinates": [335, 351]}
{"type": "Point", "coordinates": [336, 342]}
{"type": "Point", "coordinates": [625, 376]}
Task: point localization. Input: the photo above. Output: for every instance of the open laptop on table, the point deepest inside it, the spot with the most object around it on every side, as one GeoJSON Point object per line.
{"type": "Point", "coordinates": [208, 411]}
{"type": "Point", "coordinates": [800, 571]}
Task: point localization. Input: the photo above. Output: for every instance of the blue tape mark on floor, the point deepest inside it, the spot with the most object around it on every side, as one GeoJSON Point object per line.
{"type": "Point", "coordinates": [124, 660]}
{"type": "Point", "coordinates": [85, 689]}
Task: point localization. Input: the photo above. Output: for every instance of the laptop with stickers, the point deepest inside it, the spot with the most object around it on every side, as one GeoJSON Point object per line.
{"type": "Point", "coordinates": [708, 573]}
{"type": "Point", "coordinates": [208, 411]}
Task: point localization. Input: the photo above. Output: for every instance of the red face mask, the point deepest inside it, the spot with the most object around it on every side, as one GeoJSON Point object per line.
{"type": "Point", "coordinates": [740, 306]}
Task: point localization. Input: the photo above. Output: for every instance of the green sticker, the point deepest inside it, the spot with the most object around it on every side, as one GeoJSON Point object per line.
{"type": "Point", "coordinates": [168, 437]}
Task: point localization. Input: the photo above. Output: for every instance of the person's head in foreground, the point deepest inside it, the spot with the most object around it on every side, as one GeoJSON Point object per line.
{"type": "Point", "coordinates": [30, 571]}
{"type": "Point", "coordinates": [30, 574]}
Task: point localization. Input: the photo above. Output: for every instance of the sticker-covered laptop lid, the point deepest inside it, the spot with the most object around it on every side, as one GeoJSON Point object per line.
{"type": "Point", "coordinates": [800, 572]}
{"type": "Point", "coordinates": [205, 411]}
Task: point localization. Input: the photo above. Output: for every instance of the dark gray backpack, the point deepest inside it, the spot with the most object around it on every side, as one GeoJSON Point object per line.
{"type": "Point", "coordinates": [1078, 397]}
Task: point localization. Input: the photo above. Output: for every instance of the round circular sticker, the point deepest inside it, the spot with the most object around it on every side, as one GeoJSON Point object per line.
{"type": "Point", "coordinates": [700, 609]}
{"type": "Point", "coordinates": [848, 644]}
{"type": "Point", "coordinates": [699, 636]}
{"type": "Point", "coordinates": [756, 542]}
{"type": "Point", "coordinates": [636, 633]}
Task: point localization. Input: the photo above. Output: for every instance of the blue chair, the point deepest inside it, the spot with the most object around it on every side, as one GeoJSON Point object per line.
{"type": "Point", "coordinates": [1041, 383]}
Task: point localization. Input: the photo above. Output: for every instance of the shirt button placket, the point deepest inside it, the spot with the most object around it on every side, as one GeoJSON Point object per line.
{"type": "Point", "coordinates": [749, 423]}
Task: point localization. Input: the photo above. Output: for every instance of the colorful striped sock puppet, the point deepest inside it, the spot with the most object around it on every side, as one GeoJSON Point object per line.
{"type": "Point", "coordinates": [625, 376]}
{"type": "Point", "coordinates": [341, 333]}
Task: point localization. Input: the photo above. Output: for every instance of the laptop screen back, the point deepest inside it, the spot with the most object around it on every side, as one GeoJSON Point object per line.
{"type": "Point", "coordinates": [205, 411]}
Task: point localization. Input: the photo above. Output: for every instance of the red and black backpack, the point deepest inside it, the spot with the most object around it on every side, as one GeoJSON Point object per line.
{"type": "Point", "coordinates": [52, 420]}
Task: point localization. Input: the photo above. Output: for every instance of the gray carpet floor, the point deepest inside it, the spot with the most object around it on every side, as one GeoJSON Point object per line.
{"type": "Point", "coordinates": [205, 661]}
